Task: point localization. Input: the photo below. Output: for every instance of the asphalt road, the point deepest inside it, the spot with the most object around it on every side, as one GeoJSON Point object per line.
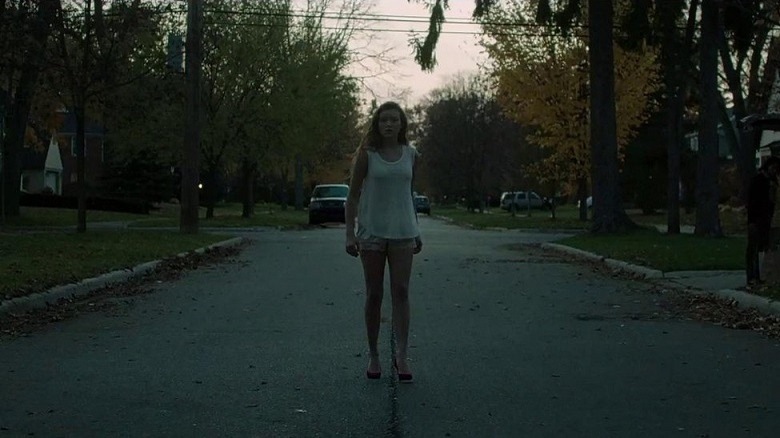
{"type": "Point", "coordinates": [506, 342]}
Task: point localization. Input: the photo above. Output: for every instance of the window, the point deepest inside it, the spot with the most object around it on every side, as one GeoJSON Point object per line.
{"type": "Point", "coordinates": [73, 146]}
{"type": "Point", "coordinates": [694, 142]}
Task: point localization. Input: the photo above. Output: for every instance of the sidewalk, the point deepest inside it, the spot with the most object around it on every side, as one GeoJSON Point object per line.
{"type": "Point", "coordinates": [723, 284]}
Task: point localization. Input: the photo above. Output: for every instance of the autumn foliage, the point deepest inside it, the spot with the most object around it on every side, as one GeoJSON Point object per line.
{"type": "Point", "coordinates": [541, 80]}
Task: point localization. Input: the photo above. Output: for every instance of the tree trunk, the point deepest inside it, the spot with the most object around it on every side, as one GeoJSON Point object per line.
{"type": "Point", "coordinates": [674, 133]}
{"type": "Point", "coordinates": [608, 213]}
{"type": "Point", "coordinates": [283, 200]}
{"type": "Point", "coordinates": [298, 182]}
{"type": "Point", "coordinates": [19, 111]}
{"type": "Point", "coordinates": [14, 141]}
{"type": "Point", "coordinates": [582, 197]}
{"type": "Point", "coordinates": [81, 183]}
{"type": "Point", "coordinates": [248, 208]}
{"type": "Point", "coordinates": [210, 191]}
{"type": "Point", "coordinates": [677, 82]}
{"type": "Point", "coordinates": [707, 218]}
{"type": "Point", "coordinates": [190, 198]}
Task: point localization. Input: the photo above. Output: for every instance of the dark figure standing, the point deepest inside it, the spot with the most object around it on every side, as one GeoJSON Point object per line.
{"type": "Point", "coordinates": [760, 209]}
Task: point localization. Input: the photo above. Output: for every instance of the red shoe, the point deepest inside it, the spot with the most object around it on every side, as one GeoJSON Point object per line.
{"type": "Point", "coordinates": [402, 377]}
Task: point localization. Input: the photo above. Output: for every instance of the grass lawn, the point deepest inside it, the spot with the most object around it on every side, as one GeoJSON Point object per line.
{"type": "Point", "coordinates": [732, 221]}
{"type": "Point", "coordinates": [229, 216]}
{"type": "Point", "coordinates": [63, 217]}
{"type": "Point", "coordinates": [647, 247]}
{"type": "Point", "coordinates": [225, 215]}
{"type": "Point", "coordinates": [566, 218]}
{"type": "Point", "coordinates": [682, 252]}
{"type": "Point", "coordinates": [33, 262]}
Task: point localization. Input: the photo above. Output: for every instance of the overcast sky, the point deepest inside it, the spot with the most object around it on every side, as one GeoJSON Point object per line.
{"type": "Point", "coordinates": [393, 23]}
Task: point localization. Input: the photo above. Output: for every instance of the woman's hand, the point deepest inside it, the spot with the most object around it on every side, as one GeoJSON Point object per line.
{"type": "Point", "coordinates": [417, 245]}
{"type": "Point", "coordinates": [352, 246]}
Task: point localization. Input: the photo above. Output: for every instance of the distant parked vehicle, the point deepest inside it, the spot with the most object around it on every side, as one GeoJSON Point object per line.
{"type": "Point", "coordinates": [327, 203]}
{"type": "Point", "coordinates": [588, 202]}
{"type": "Point", "coordinates": [516, 201]}
{"type": "Point", "coordinates": [422, 204]}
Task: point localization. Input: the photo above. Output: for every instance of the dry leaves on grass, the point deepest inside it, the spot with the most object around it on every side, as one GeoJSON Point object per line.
{"type": "Point", "coordinates": [107, 298]}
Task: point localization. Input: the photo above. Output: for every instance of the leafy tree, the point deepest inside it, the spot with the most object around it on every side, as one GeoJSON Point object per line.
{"type": "Point", "coordinates": [608, 213]}
{"type": "Point", "coordinates": [316, 93]}
{"type": "Point", "coordinates": [542, 82]}
{"type": "Point", "coordinates": [93, 38]}
{"type": "Point", "coordinates": [274, 87]}
{"type": "Point", "coordinates": [25, 29]}
{"type": "Point", "coordinates": [141, 175]}
{"type": "Point", "coordinates": [144, 119]}
{"type": "Point", "coordinates": [467, 144]}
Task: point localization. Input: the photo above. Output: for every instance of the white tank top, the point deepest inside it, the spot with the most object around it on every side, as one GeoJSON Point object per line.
{"type": "Point", "coordinates": [386, 207]}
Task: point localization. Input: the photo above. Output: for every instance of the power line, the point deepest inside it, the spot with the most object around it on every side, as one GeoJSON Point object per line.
{"type": "Point", "coordinates": [387, 18]}
{"type": "Point", "coordinates": [368, 29]}
{"type": "Point", "coordinates": [332, 15]}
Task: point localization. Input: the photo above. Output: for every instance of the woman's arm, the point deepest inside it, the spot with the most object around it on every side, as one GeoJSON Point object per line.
{"type": "Point", "coordinates": [359, 170]}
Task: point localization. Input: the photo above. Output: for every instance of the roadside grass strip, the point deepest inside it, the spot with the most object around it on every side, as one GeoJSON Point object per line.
{"type": "Point", "coordinates": [229, 216]}
{"type": "Point", "coordinates": [34, 262]}
{"type": "Point", "coordinates": [63, 217]}
{"type": "Point", "coordinates": [566, 219]}
{"type": "Point", "coordinates": [667, 253]}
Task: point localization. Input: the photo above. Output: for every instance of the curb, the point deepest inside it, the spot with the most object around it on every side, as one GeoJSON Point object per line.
{"type": "Point", "coordinates": [84, 287]}
{"type": "Point", "coordinates": [744, 299]}
{"type": "Point", "coordinates": [617, 264]}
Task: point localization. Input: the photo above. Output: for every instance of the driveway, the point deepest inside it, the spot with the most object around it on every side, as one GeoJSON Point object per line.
{"type": "Point", "coordinates": [507, 341]}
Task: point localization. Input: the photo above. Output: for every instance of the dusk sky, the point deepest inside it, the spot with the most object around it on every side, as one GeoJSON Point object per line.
{"type": "Point", "coordinates": [405, 82]}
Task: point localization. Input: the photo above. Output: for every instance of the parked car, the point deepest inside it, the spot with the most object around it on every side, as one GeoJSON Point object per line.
{"type": "Point", "coordinates": [521, 200]}
{"type": "Point", "coordinates": [422, 204]}
{"type": "Point", "coordinates": [327, 203]}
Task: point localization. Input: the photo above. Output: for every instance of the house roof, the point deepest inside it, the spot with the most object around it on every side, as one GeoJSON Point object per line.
{"type": "Point", "coordinates": [770, 122]}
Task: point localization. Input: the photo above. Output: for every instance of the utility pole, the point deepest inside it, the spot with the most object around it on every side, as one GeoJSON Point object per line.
{"type": "Point", "coordinates": [190, 199]}
{"type": "Point", "coordinates": [2, 157]}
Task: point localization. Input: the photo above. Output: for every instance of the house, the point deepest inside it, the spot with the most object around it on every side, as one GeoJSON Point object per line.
{"type": "Point", "coordinates": [94, 152]}
{"type": "Point", "coordinates": [42, 169]}
{"type": "Point", "coordinates": [769, 144]}
{"type": "Point", "coordinates": [725, 138]}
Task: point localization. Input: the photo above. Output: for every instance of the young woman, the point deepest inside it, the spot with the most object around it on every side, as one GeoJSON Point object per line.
{"type": "Point", "coordinates": [380, 196]}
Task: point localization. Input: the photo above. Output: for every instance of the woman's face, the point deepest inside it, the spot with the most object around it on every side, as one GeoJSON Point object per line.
{"type": "Point", "coordinates": [389, 123]}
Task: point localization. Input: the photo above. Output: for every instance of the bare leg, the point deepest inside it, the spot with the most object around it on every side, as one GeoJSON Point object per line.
{"type": "Point", "coordinates": [374, 272]}
{"type": "Point", "coordinates": [400, 261]}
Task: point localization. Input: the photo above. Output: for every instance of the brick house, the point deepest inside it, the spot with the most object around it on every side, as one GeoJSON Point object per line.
{"type": "Point", "coordinates": [94, 152]}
